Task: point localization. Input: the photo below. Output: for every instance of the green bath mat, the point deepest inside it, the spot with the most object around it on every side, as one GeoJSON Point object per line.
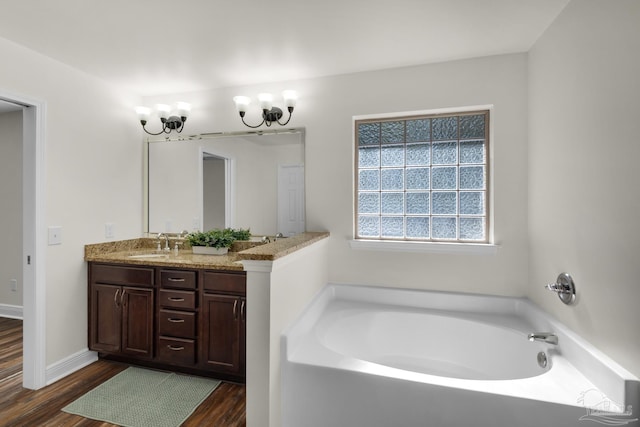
{"type": "Point", "coordinates": [139, 397]}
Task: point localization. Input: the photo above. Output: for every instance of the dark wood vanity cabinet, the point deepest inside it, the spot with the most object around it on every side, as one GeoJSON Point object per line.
{"type": "Point", "coordinates": [176, 317]}
{"type": "Point", "coordinates": [121, 310]}
{"type": "Point", "coordinates": [191, 320]}
{"type": "Point", "coordinates": [223, 323]}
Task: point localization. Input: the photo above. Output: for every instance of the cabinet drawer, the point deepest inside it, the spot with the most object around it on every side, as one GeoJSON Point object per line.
{"type": "Point", "coordinates": [177, 299]}
{"type": "Point", "coordinates": [121, 275]}
{"type": "Point", "coordinates": [225, 282]}
{"type": "Point", "coordinates": [178, 279]}
{"type": "Point", "coordinates": [177, 323]}
{"type": "Point", "coordinates": [176, 350]}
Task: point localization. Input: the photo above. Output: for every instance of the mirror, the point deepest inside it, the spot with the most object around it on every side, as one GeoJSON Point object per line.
{"type": "Point", "coordinates": [250, 180]}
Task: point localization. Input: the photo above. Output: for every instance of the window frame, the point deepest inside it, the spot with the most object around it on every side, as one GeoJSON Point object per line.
{"type": "Point", "coordinates": [431, 244]}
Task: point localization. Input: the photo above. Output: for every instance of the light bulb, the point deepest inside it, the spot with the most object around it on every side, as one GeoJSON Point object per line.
{"type": "Point", "coordinates": [163, 110]}
{"type": "Point", "coordinates": [183, 109]}
{"type": "Point", "coordinates": [143, 113]}
{"type": "Point", "coordinates": [242, 102]}
{"type": "Point", "coordinates": [290, 98]}
{"type": "Point", "coordinates": [266, 101]}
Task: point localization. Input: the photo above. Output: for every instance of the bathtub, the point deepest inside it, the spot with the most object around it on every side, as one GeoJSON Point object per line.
{"type": "Point", "coordinates": [371, 356]}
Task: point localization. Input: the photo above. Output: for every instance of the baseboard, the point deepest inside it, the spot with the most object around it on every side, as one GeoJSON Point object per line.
{"type": "Point", "coordinates": [69, 365]}
{"type": "Point", "coordinates": [11, 311]}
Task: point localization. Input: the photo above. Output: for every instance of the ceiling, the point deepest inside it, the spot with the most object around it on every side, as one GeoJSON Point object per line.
{"type": "Point", "coordinates": [158, 46]}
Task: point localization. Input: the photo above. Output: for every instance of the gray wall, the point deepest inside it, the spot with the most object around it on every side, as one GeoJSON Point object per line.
{"type": "Point", "coordinates": [11, 211]}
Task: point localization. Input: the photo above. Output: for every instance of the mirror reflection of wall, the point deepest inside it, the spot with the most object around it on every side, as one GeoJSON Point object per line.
{"type": "Point", "coordinates": [188, 182]}
{"type": "Point", "coordinates": [213, 191]}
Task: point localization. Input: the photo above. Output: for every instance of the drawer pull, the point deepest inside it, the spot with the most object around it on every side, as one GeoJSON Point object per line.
{"type": "Point", "coordinates": [176, 299]}
{"type": "Point", "coordinates": [175, 279]}
{"type": "Point", "coordinates": [171, 319]}
{"type": "Point", "coordinates": [172, 348]}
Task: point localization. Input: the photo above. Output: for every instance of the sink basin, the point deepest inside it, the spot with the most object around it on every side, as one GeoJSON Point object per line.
{"type": "Point", "coordinates": [148, 256]}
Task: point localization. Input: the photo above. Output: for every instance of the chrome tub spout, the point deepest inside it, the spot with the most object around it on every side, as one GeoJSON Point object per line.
{"type": "Point", "coordinates": [547, 337]}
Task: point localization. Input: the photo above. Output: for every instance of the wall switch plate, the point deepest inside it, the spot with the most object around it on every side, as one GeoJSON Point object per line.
{"type": "Point", "coordinates": [110, 230]}
{"type": "Point", "coordinates": [13, 285]}
{"type": "Point", "coordinates": [55, 235]}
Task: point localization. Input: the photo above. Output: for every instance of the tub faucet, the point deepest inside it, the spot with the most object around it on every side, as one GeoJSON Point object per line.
{"type": "Point", "coordinates": [548, 337]}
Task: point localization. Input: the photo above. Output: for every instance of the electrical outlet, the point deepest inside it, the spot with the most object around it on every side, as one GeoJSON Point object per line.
{"type": "Point", "coordinates": [13, 285]}
{"type": "Point", "coordinates": [110, 230]}
{"type": "Point", "coordinates": [55, 235]}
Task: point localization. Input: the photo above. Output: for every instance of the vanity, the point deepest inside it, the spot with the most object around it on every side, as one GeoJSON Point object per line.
{"type": "Point", "coordinates": [175, 310]}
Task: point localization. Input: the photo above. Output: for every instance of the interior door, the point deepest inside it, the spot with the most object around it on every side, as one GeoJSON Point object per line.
{"type": "Point", "coordinates": [291, 200]}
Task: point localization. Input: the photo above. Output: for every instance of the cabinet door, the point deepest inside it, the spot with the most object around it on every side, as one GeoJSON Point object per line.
{"type": "Point", "coordinates": [221, 333]}
{"type": "Point", "coordinates": [137, 322]}
{"type": "Point", "coordinates": [105, 318]}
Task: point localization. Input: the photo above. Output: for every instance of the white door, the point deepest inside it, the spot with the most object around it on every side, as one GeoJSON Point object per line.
{"type": "Point", "coordinates": [291, 200]}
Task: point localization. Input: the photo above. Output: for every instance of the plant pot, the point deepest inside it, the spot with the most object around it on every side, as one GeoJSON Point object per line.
{"type": "Point", "coordinates": [205, 250]}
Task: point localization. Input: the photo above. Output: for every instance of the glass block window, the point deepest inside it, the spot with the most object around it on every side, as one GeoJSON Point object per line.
{"type": "Point", "coordinates": [423, 178]}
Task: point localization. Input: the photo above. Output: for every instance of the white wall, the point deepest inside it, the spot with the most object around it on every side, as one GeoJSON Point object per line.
{"type": "Point", "coordinates": [11, 201]}
{"type": "Point", "coordinates": [584, 147]}
{"type": "Point", "coordinates": [93, 176]}
{"type": "Point", "coordinates": [282, 289]}
{"type": "Point", "coordinates": [326, 108]}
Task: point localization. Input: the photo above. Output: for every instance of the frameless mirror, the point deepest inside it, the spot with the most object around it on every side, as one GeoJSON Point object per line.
{"type": "Point", "coordinates": [250, 180]}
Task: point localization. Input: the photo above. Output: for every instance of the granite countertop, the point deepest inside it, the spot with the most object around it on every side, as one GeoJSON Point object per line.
{"type": "Point", "coordinates": [129, 252]}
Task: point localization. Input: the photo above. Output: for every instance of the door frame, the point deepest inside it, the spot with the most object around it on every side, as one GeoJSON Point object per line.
{"type": "Point", "coordinates": [33, 238]}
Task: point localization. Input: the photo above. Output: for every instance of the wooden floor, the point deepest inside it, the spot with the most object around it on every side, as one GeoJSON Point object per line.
{"type": "Point", "coordinates": [20, 407]}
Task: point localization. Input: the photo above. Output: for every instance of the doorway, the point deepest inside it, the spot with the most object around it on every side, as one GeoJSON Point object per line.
{"type": "Point", "coordinates": [33, 238]}
{"type": "Point", "coordinates": [214, 192]}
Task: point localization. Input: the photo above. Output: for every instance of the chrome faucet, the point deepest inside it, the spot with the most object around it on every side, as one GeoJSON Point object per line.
{"type": "Point", "coordinates": [547, 337]}
{"type": "Point", "coordinates": [166, 242]}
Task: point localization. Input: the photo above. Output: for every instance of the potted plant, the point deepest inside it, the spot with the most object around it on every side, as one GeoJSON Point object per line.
{"type": "Point", "coordinates": [216, 241]}
{"type": "Point", "coordinates": [212, 242]}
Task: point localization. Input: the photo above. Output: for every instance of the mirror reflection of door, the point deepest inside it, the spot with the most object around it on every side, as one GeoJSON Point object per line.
{"type": "Point", "coordinates": [291, 200]}
{"type": "Point", "coordinates": [213, 194]}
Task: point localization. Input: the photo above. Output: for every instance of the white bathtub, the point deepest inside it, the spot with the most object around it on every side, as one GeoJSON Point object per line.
{"type": "Point", "coordinates": [369, 356]}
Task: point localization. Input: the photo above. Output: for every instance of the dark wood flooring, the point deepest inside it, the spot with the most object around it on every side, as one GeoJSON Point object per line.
{"type": "Point", "coordinates": [20, 407]}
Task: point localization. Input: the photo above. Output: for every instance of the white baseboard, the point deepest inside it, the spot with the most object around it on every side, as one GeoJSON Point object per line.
{"type": "Point", "coordinates": [11, 311]}
{"type": "Point", "coordinates": [69, 365]}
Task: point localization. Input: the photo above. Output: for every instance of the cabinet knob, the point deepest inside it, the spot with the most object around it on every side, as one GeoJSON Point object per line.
{"type": "Point", "coordinates": [173, 348]}
{"type": "Point", "coordinates": [175, 299]}
{"type": "Point", "coordinates": [173, 320]}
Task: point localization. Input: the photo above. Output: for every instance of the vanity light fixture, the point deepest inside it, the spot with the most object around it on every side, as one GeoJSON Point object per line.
{"type": "Point", "coordinates": [270, 114]}
{"type": "Point", "coordinates": [169, 121]}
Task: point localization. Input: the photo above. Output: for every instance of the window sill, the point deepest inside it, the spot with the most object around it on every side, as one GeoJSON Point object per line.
{"type": "Point", "coordinates": [425, 247]}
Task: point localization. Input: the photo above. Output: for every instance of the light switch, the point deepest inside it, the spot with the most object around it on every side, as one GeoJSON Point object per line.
{"type": "Point", "coordinates": [109, 230]}
{"type": "Point", "coordinates": [55, 235]}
